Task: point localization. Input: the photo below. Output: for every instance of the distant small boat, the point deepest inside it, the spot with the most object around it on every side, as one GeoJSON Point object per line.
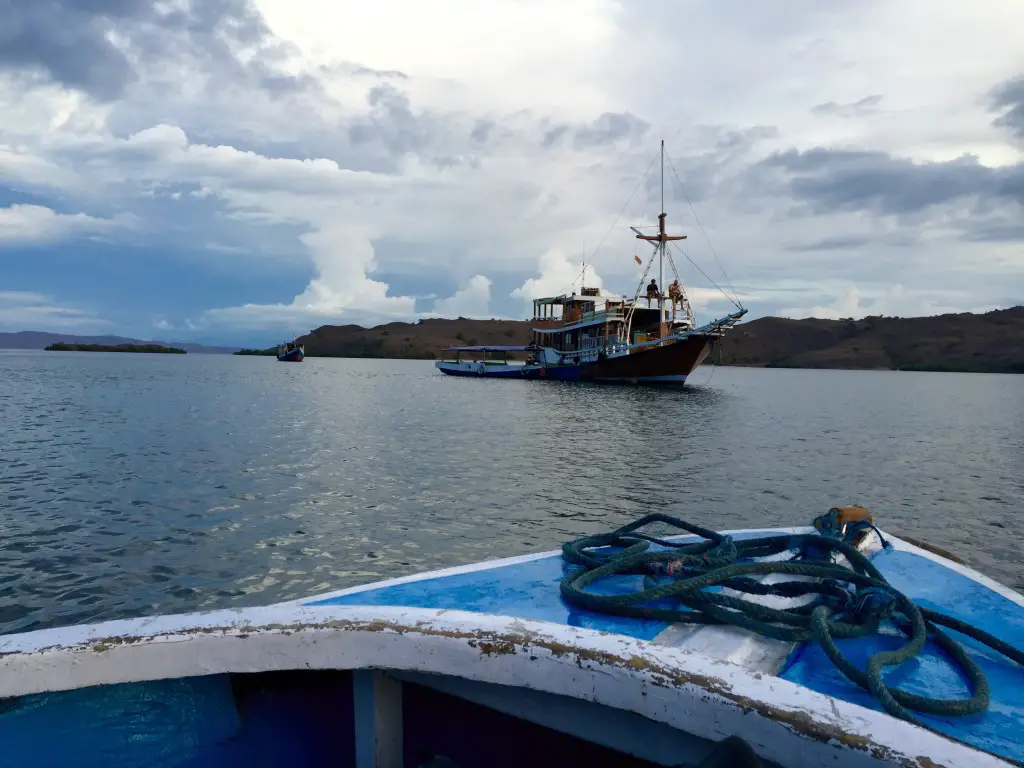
{"type": "Point", "coordinates": [291, 352]}
{"type": "Point", "coordinates": [758, 647]}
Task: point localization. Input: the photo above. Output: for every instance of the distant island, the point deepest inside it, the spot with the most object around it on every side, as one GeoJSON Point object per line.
{"type": "Point", "coordinates": [992, 342]}
{"type": "Point", "coordinates": [270, 352]}
{"type": "Point", "coordinates": [43, 339]}
{"type": "Point", "coordinates": [60, 346]}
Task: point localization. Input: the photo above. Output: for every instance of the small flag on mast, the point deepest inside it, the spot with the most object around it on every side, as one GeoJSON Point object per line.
{"type": "Point", "coordinates": [637, 259]}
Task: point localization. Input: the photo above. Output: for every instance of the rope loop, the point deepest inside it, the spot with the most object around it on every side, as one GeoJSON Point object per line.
{"type": "Point", "coordinates": [837, 591]}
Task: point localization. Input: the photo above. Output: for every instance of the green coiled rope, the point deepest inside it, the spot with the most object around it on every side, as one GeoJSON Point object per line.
{"type": "Point", "coordinates": [679, 587]}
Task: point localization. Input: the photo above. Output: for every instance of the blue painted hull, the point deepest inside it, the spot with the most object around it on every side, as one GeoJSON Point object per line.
{"type": "Point", "coordinates": [514, 373]}
{"type": "Point", "coordinates": [308, 712]}
{"type": "Point", "coordinates": [294, 356]}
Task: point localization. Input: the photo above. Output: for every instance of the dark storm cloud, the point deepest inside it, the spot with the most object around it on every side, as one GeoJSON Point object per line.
{"type": "Point", "coordinates": [830, 180]}
{"type": "Point", "coordinates": [394, 126]}
{"type": "Point", "coordinates": [383, 73]}
{"type": "Point", "coordinates": [552, 136]}
{"type": "Point", "coordinates": [856, 109]}
{"type": "Point", "coordinates": [838, 243]}
{"type": "Point", "coordinates": [482, 130]}
{"type": "Point", "coordinates": [391, 122]}
{"type": "Point", "coordinates": [69, 41]}
{"type": "Point", "coordinates": [841, 243]}
{"type": "Point", "coordinates": [608, 128]}
{"type": "Point", "coordinates": [1008, 98]}
{"type": "Point", "coordinates": [996, 233]}
{"type": "Point", "coordinates": [693, 177]}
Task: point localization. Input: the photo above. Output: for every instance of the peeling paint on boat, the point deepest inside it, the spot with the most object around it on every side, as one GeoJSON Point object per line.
{"type": "Point", "coordinates": [682, 689]}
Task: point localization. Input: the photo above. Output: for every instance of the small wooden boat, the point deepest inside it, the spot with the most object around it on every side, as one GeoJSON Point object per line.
{"type": "Point", "coordinates": [491, 361]}
{"type": "Point", "coordinates": [291, 352]}
{"type": "Point", "coordinates": [747, 648]}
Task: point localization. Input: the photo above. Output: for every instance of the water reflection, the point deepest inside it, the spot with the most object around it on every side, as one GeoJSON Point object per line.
{"type": "Point", "coordinates": [135, 484]}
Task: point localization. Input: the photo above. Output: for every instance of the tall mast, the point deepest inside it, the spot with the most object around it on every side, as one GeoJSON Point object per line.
{"type": "Point", "coordinates": [661, 251]}
{"type": "Point", "coordinates": [662, 237]}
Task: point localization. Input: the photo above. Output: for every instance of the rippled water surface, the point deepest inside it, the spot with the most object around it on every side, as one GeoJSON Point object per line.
{"type": "Point", "coordinates": [135, 484]}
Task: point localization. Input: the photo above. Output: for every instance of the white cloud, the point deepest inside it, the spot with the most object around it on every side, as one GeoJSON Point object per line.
{"type": "Point", "coordinates": [29, 170]}
{"type": "Point", "coordinates": [28, 224]}
{"type": "Point", "coordinates": [856, 302]}
{"type": "Point", "coordinates": [473, 301]}
{"type": "Point", "coordinates": [559, 274]}
{"type": "Point", "coordinates": [27, 310]}
{"type": "Point", "coordinates": [500, 137]}
{"type": "Point", "coordinates": [343, 256]}
{"type": "Point", "coordinates": [457, 51]}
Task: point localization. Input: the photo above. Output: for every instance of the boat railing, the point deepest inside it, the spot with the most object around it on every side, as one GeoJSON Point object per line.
{"type": "Point", "coordinates": [570, 319]}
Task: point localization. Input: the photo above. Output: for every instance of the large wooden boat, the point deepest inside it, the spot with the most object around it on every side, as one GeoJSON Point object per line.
{"type": "Point", "coordinates": [291, 352]}
{"type": "Point", "coordinates": [590, 336]}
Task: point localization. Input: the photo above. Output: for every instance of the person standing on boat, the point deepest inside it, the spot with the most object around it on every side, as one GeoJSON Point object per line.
{"type": "Point", "coordinates": [652, 291]}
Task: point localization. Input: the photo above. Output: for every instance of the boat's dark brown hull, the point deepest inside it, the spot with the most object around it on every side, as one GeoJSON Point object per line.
{"type": "Point", "coordinates": [668, 364]}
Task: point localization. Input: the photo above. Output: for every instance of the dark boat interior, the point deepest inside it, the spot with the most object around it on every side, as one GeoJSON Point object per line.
{"type": "Point", "coordinates": [309, 718]}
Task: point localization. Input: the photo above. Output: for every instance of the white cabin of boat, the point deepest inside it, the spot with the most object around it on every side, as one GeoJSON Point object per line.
{"type": "Point", "coordinates": [585, 324]}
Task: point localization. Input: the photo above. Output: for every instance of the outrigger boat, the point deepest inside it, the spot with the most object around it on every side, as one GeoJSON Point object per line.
{"type": "Point", "coordinates": [833, 645]}
{"type": "Point", "coordinates": [590, 337]}
{"type": "Point", "coordinates": [291, 352]}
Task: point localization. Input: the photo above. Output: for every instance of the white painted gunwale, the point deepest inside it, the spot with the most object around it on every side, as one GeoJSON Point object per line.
{"type": "Point", "coordinates": [691, 692]}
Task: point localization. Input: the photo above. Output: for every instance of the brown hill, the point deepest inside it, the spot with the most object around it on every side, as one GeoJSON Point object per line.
{"type": "Point", "coordinates": [990, 342]}
{"type": "Point", "coordinates": [423, 340]}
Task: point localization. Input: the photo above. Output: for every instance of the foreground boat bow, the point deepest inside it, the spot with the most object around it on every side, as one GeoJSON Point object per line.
{"type": "Point", "coordinates": [490, 664]}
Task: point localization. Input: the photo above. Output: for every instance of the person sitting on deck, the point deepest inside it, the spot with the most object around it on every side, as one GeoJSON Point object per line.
{"type": "Point", "coordinates": [652, 291]}
{"type": "Point", "coordinates": [675, 293]}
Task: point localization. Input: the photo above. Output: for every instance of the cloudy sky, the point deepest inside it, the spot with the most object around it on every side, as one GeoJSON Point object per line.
{"type": "Point", "coordinates": [242, 170]}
